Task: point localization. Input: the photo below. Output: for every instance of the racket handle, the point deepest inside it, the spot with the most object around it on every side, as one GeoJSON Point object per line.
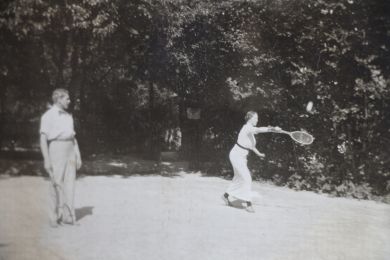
{"type": "Point", "coordinates": [284, 132]}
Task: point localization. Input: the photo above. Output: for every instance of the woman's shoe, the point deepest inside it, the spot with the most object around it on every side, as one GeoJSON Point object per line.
{"type": "Point", "coordinates": [249, 207]}
{"type": "Point", "coordinates": [225, 197]}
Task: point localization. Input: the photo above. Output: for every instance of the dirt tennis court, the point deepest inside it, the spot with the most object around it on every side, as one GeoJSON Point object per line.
{"type": "Point", "coordinates": [183, 217]}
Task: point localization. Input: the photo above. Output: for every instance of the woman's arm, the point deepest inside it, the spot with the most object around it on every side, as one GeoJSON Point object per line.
{"type": "Point", "coordinates": [275, 129]}
{"type": "Point", "coordinates": [268, 129]}
{"type": "Point", "coordinates": [258, 153]}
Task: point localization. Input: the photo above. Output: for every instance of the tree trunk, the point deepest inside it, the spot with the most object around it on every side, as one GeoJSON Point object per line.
{"type": "Point", "coordinates": [75, 78]}
{"type": "Point", "coordinates": [154, 147]}
{"type": "Point", "coordinates": [60, 82]}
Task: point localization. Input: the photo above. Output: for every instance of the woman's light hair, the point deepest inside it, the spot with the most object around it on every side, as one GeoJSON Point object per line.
{"type": "Point", "coordinates": [249, 115]}
{"type": "Point", "coordinates": [59, 93]}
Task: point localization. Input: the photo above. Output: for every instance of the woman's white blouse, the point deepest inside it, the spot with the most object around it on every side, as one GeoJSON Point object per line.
{"type": "Point", "coordinates": [246, 137]}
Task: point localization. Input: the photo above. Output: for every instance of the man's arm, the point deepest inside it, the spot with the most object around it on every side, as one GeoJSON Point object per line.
{"type": "Point", "coordinates": [45, 153]}
{"type": "Point", "coordinates": [78, 155]}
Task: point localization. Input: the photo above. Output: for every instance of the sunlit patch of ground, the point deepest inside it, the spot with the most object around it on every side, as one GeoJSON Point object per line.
{"type": "Point", "coordinates": [183, 217]}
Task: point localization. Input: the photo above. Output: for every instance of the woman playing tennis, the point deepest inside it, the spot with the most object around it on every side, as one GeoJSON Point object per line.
{"type": "Point", "coordinates": [241, 186]}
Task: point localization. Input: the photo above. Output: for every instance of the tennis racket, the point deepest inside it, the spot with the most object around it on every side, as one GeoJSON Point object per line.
{"type": "Point", "coordinates": [299, 136]}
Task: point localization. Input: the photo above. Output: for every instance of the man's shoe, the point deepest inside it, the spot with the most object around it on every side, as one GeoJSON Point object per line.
{"type": "Point", "coordinates": [71, 222]}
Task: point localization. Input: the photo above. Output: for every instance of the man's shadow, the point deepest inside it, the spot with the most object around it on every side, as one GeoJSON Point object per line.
{"type": "Point", "coordinates": [83, 211]}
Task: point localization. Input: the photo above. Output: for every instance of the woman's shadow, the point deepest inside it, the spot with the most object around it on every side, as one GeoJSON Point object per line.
{"type": "Point", "coordinates": [236, 203]}
{"type": "Point", "coordinates": [83, 212]}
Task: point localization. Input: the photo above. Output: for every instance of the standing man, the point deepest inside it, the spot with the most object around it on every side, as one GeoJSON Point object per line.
{"type": "Point", "coordinates": [61, 156]}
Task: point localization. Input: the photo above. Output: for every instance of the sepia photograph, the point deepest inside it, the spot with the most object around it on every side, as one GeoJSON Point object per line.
{"type": "Point", "coordinates": [195, 129]}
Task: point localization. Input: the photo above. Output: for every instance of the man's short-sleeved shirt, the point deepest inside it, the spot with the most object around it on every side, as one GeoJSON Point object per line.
{"type": "Point", "coordinates": [57, 124]}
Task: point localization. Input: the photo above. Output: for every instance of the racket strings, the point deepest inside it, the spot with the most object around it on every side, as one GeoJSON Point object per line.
{"type": "Point", "coordinates": [302, 137]}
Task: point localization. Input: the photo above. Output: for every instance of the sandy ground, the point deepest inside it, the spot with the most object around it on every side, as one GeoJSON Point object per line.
{"type": "Point", "coordinates": [183, 217]}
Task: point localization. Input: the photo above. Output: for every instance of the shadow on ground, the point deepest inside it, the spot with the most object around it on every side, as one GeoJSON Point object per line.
{"type": "Point", "coordinates": [237, 204]}
{"type": "Point", "coordinates": [20, 167]}
{"type": "Point", "coordinates": [83, 212]}
{"type": "Point", "coordinates": [102, 165]}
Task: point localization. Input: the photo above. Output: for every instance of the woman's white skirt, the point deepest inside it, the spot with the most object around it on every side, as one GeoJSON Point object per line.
{"type": "Point", "coordinates": [241, 186]}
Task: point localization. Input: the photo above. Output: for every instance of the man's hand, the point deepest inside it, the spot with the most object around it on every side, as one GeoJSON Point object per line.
{"type": "Point", "coordinates": [48, 167]}
{"type": "Point", "coordinates": [78, 155]}
{"type": "Point", "coordinates": [78, 162]}
{"type": "Point", "coordinates": [49, 170]}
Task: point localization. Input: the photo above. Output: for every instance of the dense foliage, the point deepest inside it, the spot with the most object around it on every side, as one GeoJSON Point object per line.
{"type": "Point", "coordinates": [134, 67]}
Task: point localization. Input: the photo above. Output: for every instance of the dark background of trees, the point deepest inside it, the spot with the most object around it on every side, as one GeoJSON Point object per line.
{"type": "Point", "coordinates": [134, 67]}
